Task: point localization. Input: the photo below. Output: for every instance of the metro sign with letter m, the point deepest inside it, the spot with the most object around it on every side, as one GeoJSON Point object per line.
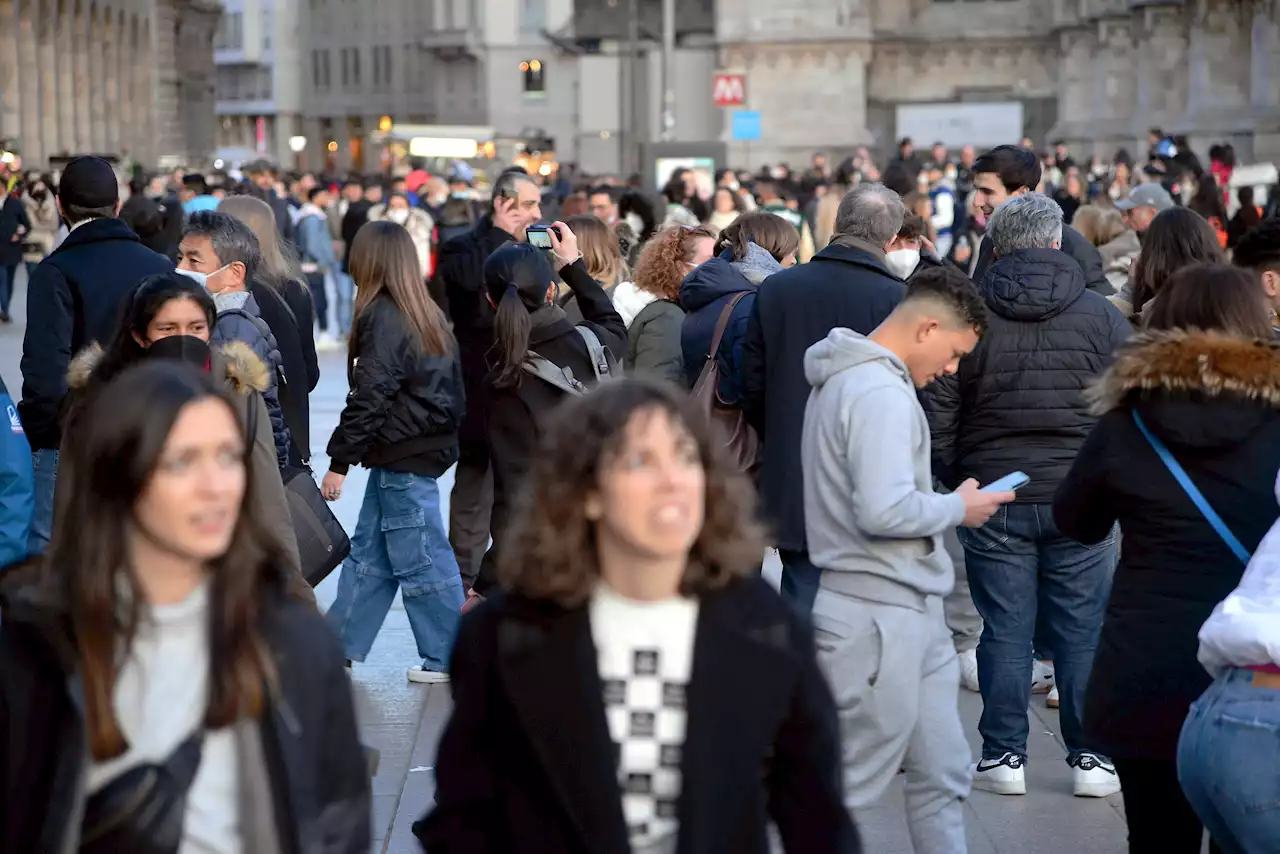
{"type": "Point", "coordinates": [729, 89]}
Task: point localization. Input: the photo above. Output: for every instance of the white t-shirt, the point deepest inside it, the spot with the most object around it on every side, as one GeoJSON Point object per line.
{"type": "Point", "coordinates": [160, 699]}
{"type": "Point", "coordinates": [644, 651]}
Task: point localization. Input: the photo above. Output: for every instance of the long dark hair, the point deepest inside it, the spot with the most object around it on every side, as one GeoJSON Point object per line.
{"type": "Point", "coordinates": [1176, 238]}
{"type": "Point", "coordinates": [1208, 199]}
{"type": "Point", "coordinates": [86, 569]}
{"type": "Point", "coordinates": [1211, 298]}
{"type": "Point", "coordinates": [549, 550]}
{"type": "Point", "coordinates": [138, 310]}
{"type": "Point", "coordinates": [769, 231]}
{"type": "Point", "coordinates": [385, 261]}
{"type": "Point", "coordinates": [516, 278]}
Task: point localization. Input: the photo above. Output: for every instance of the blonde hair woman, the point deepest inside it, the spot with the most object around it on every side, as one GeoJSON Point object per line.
{"type": "Point", "coordinates": [602, 255]}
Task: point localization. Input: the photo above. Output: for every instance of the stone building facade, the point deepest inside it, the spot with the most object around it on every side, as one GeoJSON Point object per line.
{"type": "Point", "coordinates": [832, 74]}
{"type": "Point", "coordinates": [115, 77]}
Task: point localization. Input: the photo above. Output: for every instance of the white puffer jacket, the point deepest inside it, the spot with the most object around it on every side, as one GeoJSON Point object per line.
{"type": "Point", "coordinates": [1244, 630]}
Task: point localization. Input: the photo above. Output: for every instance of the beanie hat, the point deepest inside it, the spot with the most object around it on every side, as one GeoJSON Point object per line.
{"type": "Point", "coordinates": [89, 182]}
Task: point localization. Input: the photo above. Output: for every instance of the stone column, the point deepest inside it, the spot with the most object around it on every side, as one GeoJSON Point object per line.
{"type": "Point", "coordinates": [111, 80]}
{"type": "Point", "coordinates": [80, 57]}
{"type": "Point", "coordinates": [1075, 86]}
{"type": "Point", "coordinates": [1218, 73]}
{"type": "Point", "coordinates": [145, 71]}
{"type": "Point", "coordinates": [1264, 79]}
{"type": "Point", "coordinates": [97, 90]}
{"type": "Point", "coordinates": [1117, 73]}
{"type": "Point", "coordinates": [32, 146]}
{"type": "Point", "coordinates": [1161, 91]}
{"type": "Point", "coordinates": [66, 78]}
{"type": "Point", "coordinates": [54, 143]}
{"type": "Point", "coordinates": [10, 122]}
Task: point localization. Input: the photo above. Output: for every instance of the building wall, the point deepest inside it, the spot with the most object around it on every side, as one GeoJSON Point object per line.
{"type": "Point", "coordinates": [119, 77]}
{"type": "Point", "coordinates": [259, 76]}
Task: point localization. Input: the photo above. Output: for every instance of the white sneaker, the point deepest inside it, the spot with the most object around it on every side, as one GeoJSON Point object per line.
{"type": "Point", "coordinates": [326, 343]}
{"type": "Point", "coordinates": [1042, 677]}
{"type": "Point", "coordinates": [1004, 776]}
{"type": "Point", "coordinates": [1095, 777]}
{"type": "Point", "coordinates": [418, 674]}
{"type": "Point", "coordinates": [969, 670]}
{"type": "Point", "coordinates": [1052, 700]}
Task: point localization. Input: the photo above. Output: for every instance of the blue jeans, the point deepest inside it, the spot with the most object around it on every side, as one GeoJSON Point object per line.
{"type": "Point", "coordinates": [799, 579]}
{"type": "Point", "coordinates": [8, 275]}
{"type": "Point", "coordinates": [343, 296]}
{"type": "Point", "coordinates": [44, 464]}
{"type": "Point", "coordinates": [1228, 758]}
{"type": "Point", "coordinates": [399, 543]}
{"type": "Point", "coordinates": [1020, 565]}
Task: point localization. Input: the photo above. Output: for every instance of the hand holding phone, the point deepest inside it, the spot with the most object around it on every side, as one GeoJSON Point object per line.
{"type": "Point", "coordinates": [980, 505]}
{"type": "Point", "coordinates": [1010, 482]}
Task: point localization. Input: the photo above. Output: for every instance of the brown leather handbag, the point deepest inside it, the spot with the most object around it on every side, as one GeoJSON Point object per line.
{"type": "Point", "coordinates": [739, 437]}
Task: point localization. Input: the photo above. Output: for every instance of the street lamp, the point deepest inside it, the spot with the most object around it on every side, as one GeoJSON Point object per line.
{"type": "Point", "coordinates": [298, 144]}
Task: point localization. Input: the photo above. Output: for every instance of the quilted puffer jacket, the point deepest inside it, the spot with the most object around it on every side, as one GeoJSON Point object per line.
{"type": "Point", "coordinates": [1017, 401]}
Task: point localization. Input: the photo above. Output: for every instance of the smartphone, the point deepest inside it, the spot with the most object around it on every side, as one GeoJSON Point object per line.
{"type": "Point", "coordinates": [1008, 483]}
{"type": "Point", "coordinates": [540, 235]}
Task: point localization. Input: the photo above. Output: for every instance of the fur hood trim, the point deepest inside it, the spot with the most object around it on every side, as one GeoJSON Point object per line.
{"type": "Point", "coordinates": [245, 370]}
{"type": "Point", "coordinates": [1181, 361]}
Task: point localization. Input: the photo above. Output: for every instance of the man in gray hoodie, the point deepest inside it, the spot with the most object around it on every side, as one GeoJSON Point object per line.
{"type": "Point", "coordinates": [875, 526]}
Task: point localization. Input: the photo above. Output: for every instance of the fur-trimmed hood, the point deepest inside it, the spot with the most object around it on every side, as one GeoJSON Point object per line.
{"type": "Point", "coordinates": [1194, 389]}
{"type": "Point", "coordinates": [243, 369]}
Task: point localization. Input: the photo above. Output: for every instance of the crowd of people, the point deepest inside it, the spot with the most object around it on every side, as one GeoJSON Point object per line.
{"type": "Point", "coordinates": [1012, 425]}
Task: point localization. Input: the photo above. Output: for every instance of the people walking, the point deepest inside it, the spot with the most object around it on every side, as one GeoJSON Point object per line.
{"type": "Point", "coordinates": [846, 285]}
{"type": "Point", "coordinates": [159, 640]}
{"type": "Point", "coordinates": [874, 529]}
{"type": "Point", "coordinates": [73, 299]}
{"type": "Point", "coordinates": [1017, 404]}
{"type": "Point", "coordinates": [1196, 394]}
{"type": "Point", "coordinates": [15, 225]}
{"type": "Point", "coordinates": [637, 688]}
{"type": "Point", "coordinates": [401, 423]}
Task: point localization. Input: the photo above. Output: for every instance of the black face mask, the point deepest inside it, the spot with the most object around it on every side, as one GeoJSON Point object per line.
{"type": "Point", "coordinates": [185, 348]}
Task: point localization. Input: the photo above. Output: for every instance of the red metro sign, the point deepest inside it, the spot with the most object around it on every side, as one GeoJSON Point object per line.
{"type": "Point", "coordinates": [729, 89]}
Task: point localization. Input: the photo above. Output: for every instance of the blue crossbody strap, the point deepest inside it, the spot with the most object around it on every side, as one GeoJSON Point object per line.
{"type": "Point", "coordinates": [1184, 480]}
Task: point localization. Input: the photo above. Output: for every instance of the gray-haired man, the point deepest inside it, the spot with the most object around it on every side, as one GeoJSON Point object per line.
{"type": "Point", "coordinates": [1017, 404]}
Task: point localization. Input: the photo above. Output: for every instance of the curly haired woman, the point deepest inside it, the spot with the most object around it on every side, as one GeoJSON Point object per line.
{"type": "Point", "coordinates": [639, 687]}
{"type": "Point", "coordinates": [650, 306]}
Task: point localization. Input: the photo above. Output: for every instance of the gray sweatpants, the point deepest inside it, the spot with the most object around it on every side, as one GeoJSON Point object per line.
{"type": "Point", "coordinates": [963, 618]}
{"type": "Point", "coordinates": [894, 675]}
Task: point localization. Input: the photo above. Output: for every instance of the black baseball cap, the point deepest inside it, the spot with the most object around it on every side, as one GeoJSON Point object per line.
{"type": "Point", "coordinates": [89, 182]}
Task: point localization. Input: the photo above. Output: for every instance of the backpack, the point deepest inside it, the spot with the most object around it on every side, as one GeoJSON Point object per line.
{"type": "Point", "coordinates": [603, 365]}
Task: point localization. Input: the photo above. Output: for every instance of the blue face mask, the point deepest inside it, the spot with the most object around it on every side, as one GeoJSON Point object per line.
{"type": "Point", "coordinates": [202, 278]}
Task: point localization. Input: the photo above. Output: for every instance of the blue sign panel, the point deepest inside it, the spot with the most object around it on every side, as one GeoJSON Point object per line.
{"type": "Point", "coordinates": [746, 126]}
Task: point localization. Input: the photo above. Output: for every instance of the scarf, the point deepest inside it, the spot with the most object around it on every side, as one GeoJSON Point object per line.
{"type": "Point", "coordinates": [757, 266]}
{"type": "Point", "coordinates": [851, 242]}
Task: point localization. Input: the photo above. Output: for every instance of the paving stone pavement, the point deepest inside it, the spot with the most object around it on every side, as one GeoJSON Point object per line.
{"type": "Point", "coordinates": [404, 720]}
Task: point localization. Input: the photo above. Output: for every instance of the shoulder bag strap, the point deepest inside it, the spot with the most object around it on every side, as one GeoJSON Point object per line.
{"type": "Point", "coordinates": [599, 358]}
{"type": "Point", "coordinates": [723, 323]}
{"type": "Point", "coordinates": [1202, 504]}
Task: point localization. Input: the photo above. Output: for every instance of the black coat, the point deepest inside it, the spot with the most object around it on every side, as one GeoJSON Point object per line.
{"type": "Point", "coordinates": [1017, 402]}
{"type": "Point", "coordinates": [841, 287]}
{"type": "Point", "coordinates": [526, 761]}
{"type": "Point", "coordinates": [12, 215]}
{"type": "Point", "coordinates": [73, 299]}
{"type": "Point", "coordinates": [352, 221]}
{"type": "Point", "coordinates": [516, 415]}
{"type": "Point", "coordinates": [1075, 245]}
{"type": "Point", "coordinates": [317, 769]}
{"type": "Point", "coordinates": [1174, 568]}
{"type": "Point", "coordinates": [404, 407]}
{"type": "Point", "coordinates": [459, 289]}
{"type": "Point", "coordinates": [291, 317]}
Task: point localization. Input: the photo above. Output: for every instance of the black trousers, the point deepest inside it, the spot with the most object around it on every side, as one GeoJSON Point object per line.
{"type": "Point", "coordinates": [320, 299]}
{"type": "Point", "coordinates": [1160, 819]}
{"type": "Point", "coordinates": [471, 509]}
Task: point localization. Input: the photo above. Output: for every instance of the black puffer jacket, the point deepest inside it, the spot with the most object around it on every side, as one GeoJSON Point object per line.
{"type": "Point", "coordinates": [1017, 403]}
{"type": "Point", "coordinates": [404, 407]}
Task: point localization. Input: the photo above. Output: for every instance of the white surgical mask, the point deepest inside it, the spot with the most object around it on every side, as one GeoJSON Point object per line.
{"type": "Point", "coordinates": [902, 262]}
{"type": "Point", "coordinates": [202, 278]}
{"type": "Point", "coordinates": [398, 215]}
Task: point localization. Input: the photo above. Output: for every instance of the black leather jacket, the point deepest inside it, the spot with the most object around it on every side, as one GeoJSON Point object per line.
{"type": "Point", "coordinates": [404, 407]}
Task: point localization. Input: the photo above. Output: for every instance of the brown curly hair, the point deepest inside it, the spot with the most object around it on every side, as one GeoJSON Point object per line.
{"type": "Point", "coordinates": [660, 269]}
{"type": "Point", "coordinates": [549, 551]}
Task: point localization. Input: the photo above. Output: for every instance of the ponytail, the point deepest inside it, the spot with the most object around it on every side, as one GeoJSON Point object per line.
{"type": "Point", "coordinates": [511, 327]}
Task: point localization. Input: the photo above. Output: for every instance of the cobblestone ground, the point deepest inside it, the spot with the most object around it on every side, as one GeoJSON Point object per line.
{"type": "Point", "coordinates": [403, 720]}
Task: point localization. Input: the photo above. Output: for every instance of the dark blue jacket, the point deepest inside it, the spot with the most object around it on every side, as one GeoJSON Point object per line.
{"type": "Point", "coordinates": [705, 293]}
{"type": "Point", "coordinates": [17, 486]}
{"type": "Point", "coordinates": [74, 299]}
{"type": "Point", "coordinates": [240, 319]}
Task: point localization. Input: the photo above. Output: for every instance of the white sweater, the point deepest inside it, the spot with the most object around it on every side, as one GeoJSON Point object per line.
{"type": "Point", "coordinates": [1244, 630]}
{"type": "Point", "coordinates": [160, 699]}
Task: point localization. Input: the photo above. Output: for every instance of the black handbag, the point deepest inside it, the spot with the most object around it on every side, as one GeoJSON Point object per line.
{"type": "Point", "coordinates": [323, 544]}
{"type": "Point", "coordinates": [142, 811]}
